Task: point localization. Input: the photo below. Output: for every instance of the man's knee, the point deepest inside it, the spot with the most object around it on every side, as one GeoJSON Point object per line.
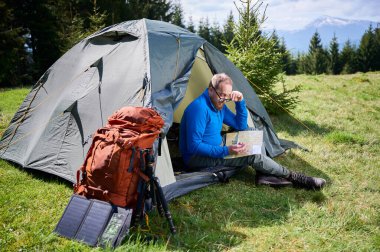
{"type": "Point", "coordinates": [258, 158]}
{"type": "Point", "coordinates": [256, 161]}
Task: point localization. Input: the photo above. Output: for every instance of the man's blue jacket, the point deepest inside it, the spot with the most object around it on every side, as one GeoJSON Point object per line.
{"type": "Point", "coordinates": [201, 126]}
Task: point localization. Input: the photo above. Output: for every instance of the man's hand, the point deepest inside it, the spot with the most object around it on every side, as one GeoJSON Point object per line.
{"type": "Point", "coordinates": [236, 96]}
{"type": "Point", "coordinates": [239, 148]}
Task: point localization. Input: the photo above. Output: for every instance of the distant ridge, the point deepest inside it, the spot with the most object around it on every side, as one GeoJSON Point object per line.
{"type": "Point", "coordinates": [344, 29]}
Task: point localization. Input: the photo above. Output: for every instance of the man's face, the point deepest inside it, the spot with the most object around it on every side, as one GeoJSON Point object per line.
{"type": "Point", "coordinates": [223, 91]}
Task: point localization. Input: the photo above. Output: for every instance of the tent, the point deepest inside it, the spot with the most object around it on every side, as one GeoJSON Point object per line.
{"type": "Point", "coordinates": [136, 63]}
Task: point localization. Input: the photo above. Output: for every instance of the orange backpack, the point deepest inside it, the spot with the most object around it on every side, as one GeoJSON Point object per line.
{"type": "Point", "coordinates": [112, 168]}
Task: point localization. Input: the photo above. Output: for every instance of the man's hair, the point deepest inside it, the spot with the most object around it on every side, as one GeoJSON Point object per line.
{"type": "Point", "coordinates": [218, 78]}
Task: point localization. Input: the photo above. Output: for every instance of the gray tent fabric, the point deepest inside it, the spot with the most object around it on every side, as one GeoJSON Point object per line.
{"type": "Point", "coordinates": [134, 63]}
{"type": "Point", "coordinates": [191, 181]}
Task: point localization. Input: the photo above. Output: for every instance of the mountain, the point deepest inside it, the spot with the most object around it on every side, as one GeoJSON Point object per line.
{"type": "Point", "coordinates": [344, 29]}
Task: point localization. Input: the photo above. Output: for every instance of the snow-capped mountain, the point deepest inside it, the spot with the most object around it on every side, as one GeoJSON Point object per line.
{"type": "Point", "coordinates": [344, 29]}
{"type": "Point", "coordinates": [330, 21]}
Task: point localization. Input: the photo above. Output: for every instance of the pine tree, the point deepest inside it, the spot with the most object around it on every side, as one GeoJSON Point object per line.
{"type": "Point", "coordinates": [367, 50]}
{"type": "Point", "coordinates": [317, 58]}
{"type": "Point", "coordinates": [116, 10]}
{"type": "Point", "coordinates": [204, 29]}
{"type": "Point", "coordinates": [72, 33]}
{"type": "Point", "coordinates": [97, 20]}
{"type": "Point", "coordinates": [13, 58]}
{"type": "Point", "coordinates": [348, 58]}
{"type": "Point", "coordinates": [289, 65]}
{"type": "Point", "coordinates": [335, 66]}
{"type": "Point", "coordinates": [377, 49]}
{"type": "Point", "coordinates": [255, 54]}
{"type": "Point", "coordinates": [276, 40]}
{"type": "Point", "coordinates": [216, 36]}
{"type": "Point", "coordinates": [43, 19]}
{"type": "Point", "coordinates": [228, 29]}
{"type": "Point", "coordinates": [177, 16]}
{"type": "Point", "coordinates": [152, 9]}
{"type": "Point", "coordinates": [191, 26]}
{"type": "Point", "coordinates": [315, 43]}
{"type": "Point", "coordinates": [287, 61]}
{"type": "Point", "coordinates": [75, 29]}
{"type": "Point", "coordinates": [301, 63]}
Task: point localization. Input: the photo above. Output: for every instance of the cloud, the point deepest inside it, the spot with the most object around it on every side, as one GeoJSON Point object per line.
{"type": "Point", "coordinates": [286, 14]}
{"type": "Point", "coordinates": [291, 15]}
{"type": "Point", "coordinates": [211, 9]}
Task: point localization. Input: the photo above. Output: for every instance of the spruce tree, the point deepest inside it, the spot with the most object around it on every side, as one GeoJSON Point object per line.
{"type": "Point", "coordinates": [377, 49]}
{"type": "Point", "coordinates": [276, 40]}
{"type": "Point", "coordinates": [204, 29]}
{"type": "Point", "coordinates": [317, 58]}
{"type": "Point", "coordinates": [228, 29]}
{"type": "Point", "coordinates": [301, 63]}
{"type": "Point", "coordinates": [43, 19]}
{"type": "Point", "coordinates": [77, 27]}
{"type": "Point", "coordinates": [367, 51]}
{"type": "Point", "coordinates": [116, 10]}
{"type": "Point", "coordinates": [335, 66]}
{"type": "Point", "coordinates": [289, 65]}
{"type": "Point", "coordinates": [177, 15]}
{"type": "Point", "coordinates": [287, 62]}
{"type": "Point", "coordinates": [13, 58]}
{"type": "Point", "coordinates": [152, 9]}
{"type": "Point", "coordinates": [72, 33]}
{"type": "Point", "coordinates": [255, 54]}
{"type": "Point", "coordinates": [348, 58]}
{"type": "Point", "coordinates": [191, 26]}
{"type": "Point", "coordinates": [216, 36]}
{"type": "Point", "coordinates": [97, 20]}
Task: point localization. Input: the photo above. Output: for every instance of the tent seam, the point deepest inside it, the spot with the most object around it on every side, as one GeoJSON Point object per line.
{"type": "Point", "coordinates": [147, 59]}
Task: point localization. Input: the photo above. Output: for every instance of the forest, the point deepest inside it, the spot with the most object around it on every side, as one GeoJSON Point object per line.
{"type": "Point", "coordinates": [35, 33]}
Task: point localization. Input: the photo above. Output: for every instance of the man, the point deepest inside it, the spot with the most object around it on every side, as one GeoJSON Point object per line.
{"type": "Point", "coordinates": [201, 142]}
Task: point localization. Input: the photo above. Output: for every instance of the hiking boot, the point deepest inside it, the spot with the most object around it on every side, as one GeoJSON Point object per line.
{"type": "Point", "coordinates": [303, 181]}
{"type": "Point", "coordinates": [270, 180]}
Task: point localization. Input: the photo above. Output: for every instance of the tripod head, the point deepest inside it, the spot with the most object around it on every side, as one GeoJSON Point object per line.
{"type": "Point", "coordinates": [147, 162]}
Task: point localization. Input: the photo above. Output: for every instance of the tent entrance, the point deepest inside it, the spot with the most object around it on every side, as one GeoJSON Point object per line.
{"type": "Point", "coordinates": [199, 79]}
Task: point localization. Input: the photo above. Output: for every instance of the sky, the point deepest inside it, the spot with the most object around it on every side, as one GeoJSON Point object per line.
{"type": "Point", "coordinates": [285, 14]}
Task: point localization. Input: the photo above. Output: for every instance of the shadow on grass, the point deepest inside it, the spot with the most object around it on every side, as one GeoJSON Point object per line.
{"type": "Point", "coordinates": [290, 125]}
{"type": "Point", "coordinates": [41, 175]}
{"type": "Point", "coordinates": [222, 216]}
{"type": "Point", "coordinates": [296, 163]}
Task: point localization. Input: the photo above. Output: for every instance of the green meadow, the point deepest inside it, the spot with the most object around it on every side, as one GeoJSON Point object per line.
{"type": "Point", "coordinates": [338, 120]}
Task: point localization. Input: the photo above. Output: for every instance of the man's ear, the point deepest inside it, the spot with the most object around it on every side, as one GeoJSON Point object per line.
{"type": "Point", "coordinates": [209, 91]}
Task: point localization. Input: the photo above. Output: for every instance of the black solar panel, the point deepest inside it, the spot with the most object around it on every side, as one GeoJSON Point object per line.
{"type": "Point", "coordinates": [72, 216]}
{"type": "Point", "coordinates": [94, 222]}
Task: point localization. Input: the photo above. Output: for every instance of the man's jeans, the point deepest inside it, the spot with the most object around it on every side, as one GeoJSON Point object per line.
{"type": "Point", "coordinates": [260, 163]}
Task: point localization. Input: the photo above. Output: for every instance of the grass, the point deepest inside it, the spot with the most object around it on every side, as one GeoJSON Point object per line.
{"type": "Point", "coordinates": [10, 100]}
{"type": "Point", "coordinates": [342, 113]}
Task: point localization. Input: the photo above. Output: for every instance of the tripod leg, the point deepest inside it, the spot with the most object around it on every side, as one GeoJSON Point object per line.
{"type": "Point", "coordinates": [153, 193]}
{"type": "Point", "coordinates": [160, 209]}
{"type": "Point", "coordinates": [140, 201]}
{"type": "Point", "coordinates": [165, 206]}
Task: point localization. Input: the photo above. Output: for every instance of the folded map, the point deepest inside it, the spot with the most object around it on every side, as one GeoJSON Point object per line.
{"type": "Point", "coordinates": [253, 139]}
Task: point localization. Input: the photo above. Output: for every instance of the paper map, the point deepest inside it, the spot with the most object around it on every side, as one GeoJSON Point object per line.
{"type": "Point", "coordinates": [252, 139]}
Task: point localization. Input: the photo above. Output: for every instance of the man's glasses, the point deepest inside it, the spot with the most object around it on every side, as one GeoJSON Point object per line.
{"type": "Point", "coordinates": [220, 98]}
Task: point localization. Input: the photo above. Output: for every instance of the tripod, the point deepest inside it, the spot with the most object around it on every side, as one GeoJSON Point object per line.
{"type": "Point", "coordinates": [151, 188]}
